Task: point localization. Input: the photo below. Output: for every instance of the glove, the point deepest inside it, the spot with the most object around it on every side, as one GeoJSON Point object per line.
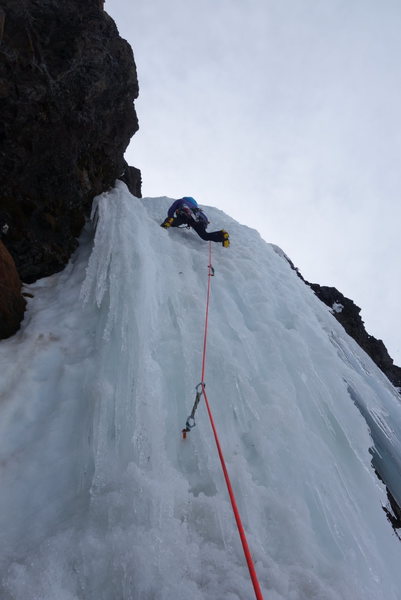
{"type": "Point", "coordinates": [167, 222]}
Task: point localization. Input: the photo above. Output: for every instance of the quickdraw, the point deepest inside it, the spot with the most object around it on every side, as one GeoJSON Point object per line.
{"type": "Point", "coordinates": [190, 423]}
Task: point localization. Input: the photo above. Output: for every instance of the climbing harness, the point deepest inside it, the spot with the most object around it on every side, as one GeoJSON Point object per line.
{"type": "Point", "coordinates": [201, 391]}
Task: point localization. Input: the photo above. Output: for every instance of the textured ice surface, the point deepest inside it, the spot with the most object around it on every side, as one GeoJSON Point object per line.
{"type": "Point", "coordinates": [101, 499]}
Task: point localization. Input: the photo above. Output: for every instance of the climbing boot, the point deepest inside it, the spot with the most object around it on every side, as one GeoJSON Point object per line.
{"type": "Point", "coordinates": [226, 239]}
{"type": "Point", "coordinates": [167, 222]}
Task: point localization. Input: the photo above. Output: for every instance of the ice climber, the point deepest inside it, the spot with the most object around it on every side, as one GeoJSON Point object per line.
{"type": "Point", "coordinates": [186, 211]}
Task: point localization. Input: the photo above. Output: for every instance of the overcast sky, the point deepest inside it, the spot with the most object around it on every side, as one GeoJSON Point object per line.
{"type": "Point", "coordinates": [286, 114]}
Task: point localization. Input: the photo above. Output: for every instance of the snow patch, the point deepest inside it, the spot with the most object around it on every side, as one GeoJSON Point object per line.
{"type": "Point", "coordinates": [337, 307]}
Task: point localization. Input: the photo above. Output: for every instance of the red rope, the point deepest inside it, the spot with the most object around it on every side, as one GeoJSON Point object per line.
{"type": "Point", "coordinates": [248, 556]}
{"type": "Point", "coordinates": [209, 276]}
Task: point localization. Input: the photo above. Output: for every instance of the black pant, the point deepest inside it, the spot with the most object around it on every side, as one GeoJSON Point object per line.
{"type": "Point", "coordinates": [200, 228]}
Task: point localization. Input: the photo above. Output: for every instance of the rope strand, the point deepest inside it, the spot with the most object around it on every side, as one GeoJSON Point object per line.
{"type": "Point", "coordinates": [241, 531]}
{"type": "Point", "coordinates": [209, 276]}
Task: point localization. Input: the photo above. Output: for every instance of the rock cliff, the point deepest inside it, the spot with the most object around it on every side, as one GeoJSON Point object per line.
{"type": "Point", "coordinates": [348, 314]}
{"type": "Point", "coordinates": [67, 89]}
{"type": "Point", "coordinates": [12, 304]}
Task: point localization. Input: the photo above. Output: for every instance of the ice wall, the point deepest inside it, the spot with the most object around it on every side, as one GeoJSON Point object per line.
{"type": "Point", "coordinates": [102, 499]}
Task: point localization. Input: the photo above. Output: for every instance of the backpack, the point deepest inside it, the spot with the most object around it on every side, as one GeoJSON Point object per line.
{"type": "Point", "coordinates": [199, 216]}
{"type": "Point", "coordinates": [195, 213]}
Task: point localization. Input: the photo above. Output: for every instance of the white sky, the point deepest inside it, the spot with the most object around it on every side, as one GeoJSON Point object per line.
{"type": "Point", "coordinates": [286, 115]}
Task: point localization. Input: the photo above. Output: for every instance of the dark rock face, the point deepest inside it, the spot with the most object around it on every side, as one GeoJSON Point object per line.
{"type": "Point", "coordinates": [393, 513]}
{"type": "Point", "coordinates": [350, 319]}
{"type": "Point", "coordinates": [348, 315]}
{"type": "Point", "coordinates": [133, 180]}
{"type": "Point", "coordinates": [67, 86]}
{"type": "Point", "coordinates": [12, 304]}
